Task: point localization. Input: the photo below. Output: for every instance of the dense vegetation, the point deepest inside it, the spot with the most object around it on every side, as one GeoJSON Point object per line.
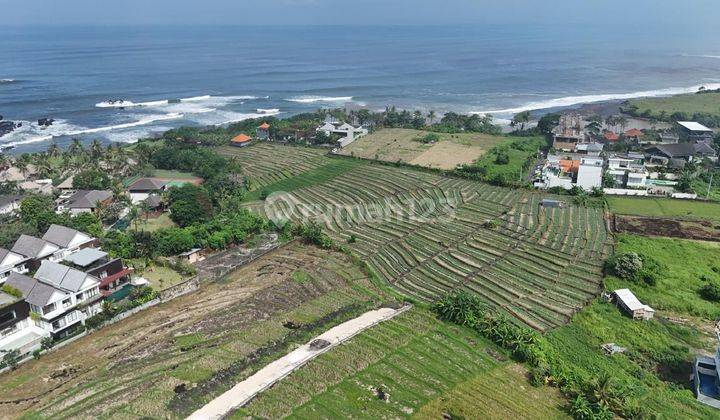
{"type": "Point", "coordinates": [506, 164]}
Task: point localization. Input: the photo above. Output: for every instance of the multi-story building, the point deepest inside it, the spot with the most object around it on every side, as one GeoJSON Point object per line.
{"type": "Point", "coordinates": [11, 261]}
{"type": "Point", "coordinates": [61, 296]}
{"type": "Point", "coordinates": [17, 330]}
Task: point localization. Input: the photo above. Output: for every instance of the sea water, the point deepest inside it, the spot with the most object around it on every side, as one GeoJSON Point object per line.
{"type": "Point", "coordinates": [118, 84]}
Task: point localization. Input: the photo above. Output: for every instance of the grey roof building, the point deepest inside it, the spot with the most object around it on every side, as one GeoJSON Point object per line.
{"type": "Point", "coordinates": [147, 184]}
{"type": "Point", "coordinates": [63, 276]}
{"type": "Point", "coordinates": [683, 150]}
{"type": "Point", "coordinates": [35, 292]}
{"type": "Point", "coordinates": [88, 199]}
{"type": "Point", "coordinates": [86, 257]}
{"type": "Point", "coordinates": [32, 247]}
{"type": "Point", "coordinates": [64, 236]}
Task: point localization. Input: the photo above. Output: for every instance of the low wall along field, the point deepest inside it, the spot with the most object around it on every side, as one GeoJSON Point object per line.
{"type": "Point", "coordinates": [425, 235]}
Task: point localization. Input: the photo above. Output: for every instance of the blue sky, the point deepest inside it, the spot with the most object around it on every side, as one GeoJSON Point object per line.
{"type": "Point", "coordinates": [282, 12]}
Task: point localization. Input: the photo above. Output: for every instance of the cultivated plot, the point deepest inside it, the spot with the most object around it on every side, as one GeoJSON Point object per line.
{"type": "Point", "coordinates": [426, 235]}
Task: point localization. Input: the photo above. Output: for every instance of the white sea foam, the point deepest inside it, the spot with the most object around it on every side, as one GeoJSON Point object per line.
{"type": "Point", "coordinates": [267, 111]}
{"type": "Point", "coordinates": [226, 117]}
{"type": "Point", "coordinates": [701, 55]}
{"type": "Point", "coordinates": [3, 81]}
{"type": "Point", "coordinates": [586, 99]}
{"type": "Point", "coordinates": [315, 99]}
{"type": "Point", "coordinates": [32, 133]}
{"type": "Point", "coordinates": [164, 102]}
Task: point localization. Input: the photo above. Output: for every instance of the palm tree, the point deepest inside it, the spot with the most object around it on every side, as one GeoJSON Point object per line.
{"type": "Point", "coordinates": [54, 150]}
{"type": "Point", "coordinates": [96, 149]}
{"type": "Point", "coordinates": [431, 117]}
{"type": "Point", "coordinates": [622, 121]}
{"type": "Point", "coordinates": [76, 148]}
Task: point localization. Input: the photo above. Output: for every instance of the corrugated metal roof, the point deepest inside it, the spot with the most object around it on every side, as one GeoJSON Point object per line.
{"type": "Point", "coordinates": [693, 126]}
{"type": "Point", "coordinates": [85, 256]}
{"type": "Point", "coordinates": [630, 301]}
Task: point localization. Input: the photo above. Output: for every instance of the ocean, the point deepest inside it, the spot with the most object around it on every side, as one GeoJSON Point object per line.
{"type": "Point", "coordinates": [200, 75]}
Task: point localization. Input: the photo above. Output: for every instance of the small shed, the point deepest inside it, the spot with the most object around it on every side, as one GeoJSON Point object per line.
{"type": "Point", "coordinates": [550, 203]}
{"type": "Point", "coordinates": [627, 301]}
{"type": "Point", "coordinates": [192, 256]}
{"type": "Point", "coordinates": [241, 140]}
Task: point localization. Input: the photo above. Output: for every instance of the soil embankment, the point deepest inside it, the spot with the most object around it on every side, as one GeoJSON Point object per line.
{"type": "Point", "coordinates": [704, 230]}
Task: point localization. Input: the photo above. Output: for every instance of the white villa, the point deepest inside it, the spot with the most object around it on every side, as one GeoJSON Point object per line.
{"type": "Point", "coordinates": [590, 173]}
{"type": "Point", "coordinates": [349, 132]}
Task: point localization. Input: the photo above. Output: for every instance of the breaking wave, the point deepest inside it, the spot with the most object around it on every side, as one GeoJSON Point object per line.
{"type": "Point", "coordinates": [6, 81]}
{"type": "Point", "coordinates": [268, 111]}
{"type": "Point", "coordinates": [586, 99]}
{"type": "Point", "coordinates": [164, 102]}
{"type": "Point", "coordinates": [32, 133]}
{"type": "Point", "coordinates": [315, 99]}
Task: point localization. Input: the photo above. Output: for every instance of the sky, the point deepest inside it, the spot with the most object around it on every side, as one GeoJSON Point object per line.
{"type": "Point", "coordinates": [354, 12]}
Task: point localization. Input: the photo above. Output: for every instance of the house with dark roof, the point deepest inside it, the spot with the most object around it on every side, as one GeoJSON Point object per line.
{"type": "Point", "coordinates": [17, 330]}
{"type": "Point", "coordinates": [685, 151]}
{"type": "Point", "coordinates": [142, 188]}
{"type": "Point", "coordinates": [85, 201]}
{"type": "Point", "coordinates": [61, 296]}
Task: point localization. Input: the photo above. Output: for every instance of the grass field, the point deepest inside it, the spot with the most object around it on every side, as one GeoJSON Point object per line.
{"type": "Point", "coordinates": [424, 367]}
{"type": "Point", "coordinates": [515, 170]}
{"type": "Point", "coordinates": [169, 360]}
{"type": "Point", "coordinates": [688, 266]}
{"type": "Point", "coordinates": [168, 175]}
{"type": "Point", "coordinates": [152, 223]}
{"type": "Point", "coordinates": [664, 207]}
{"type": "Point", "coordinates": [424, 235]}
{"type": "Point", "coordinates": [161, 278]}
{"type": "Point", "coordinates": [655, 369]}
{"type": "Point", "coordinates": [399, 144]}
{"type": "Point", "coordinates": [707, 103]}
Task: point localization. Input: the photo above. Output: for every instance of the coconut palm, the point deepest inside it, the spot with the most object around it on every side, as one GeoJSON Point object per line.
{"type": "Point", "coordinates": [76, 148]}
{"type": "Point", "coordinates": [96, 149]}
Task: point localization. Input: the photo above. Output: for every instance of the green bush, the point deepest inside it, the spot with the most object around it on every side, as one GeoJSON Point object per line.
{"type": "Point", "coordinates": [634, 267]}
{"type": "Point", "coordinates": [11, 291]}
{"type": "Point", "coordinates": [710, 291]}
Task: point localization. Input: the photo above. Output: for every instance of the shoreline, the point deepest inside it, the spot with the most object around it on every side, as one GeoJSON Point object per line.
{"type": "Point", "coordinates": [501, 118]}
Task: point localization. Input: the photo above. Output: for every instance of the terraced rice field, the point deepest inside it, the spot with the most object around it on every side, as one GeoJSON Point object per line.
{"type": "Point", "coordinates": [423, 368]}
{"type": "Point", "coordinates": [267, 163]}
{"type": "Point", "coordinates": [425, 235]}
{"type": "Point", "coordinates": [169, 360]}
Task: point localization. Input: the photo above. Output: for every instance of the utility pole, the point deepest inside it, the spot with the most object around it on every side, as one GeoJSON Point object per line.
{"type": "Point", "coordinates": [712, 175]}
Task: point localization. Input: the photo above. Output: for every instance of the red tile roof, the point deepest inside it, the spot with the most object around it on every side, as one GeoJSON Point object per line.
{"type": "Point", "coordinates": [569, 166]}
{"type": "Point", "coordinates": [610, 136]}
{"type": "Point", "coordinates": [241, 138]}
{"type": "Point", "coordinates": [633, 132]}
{"type": "Point", "coordinates": [264, 126]}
